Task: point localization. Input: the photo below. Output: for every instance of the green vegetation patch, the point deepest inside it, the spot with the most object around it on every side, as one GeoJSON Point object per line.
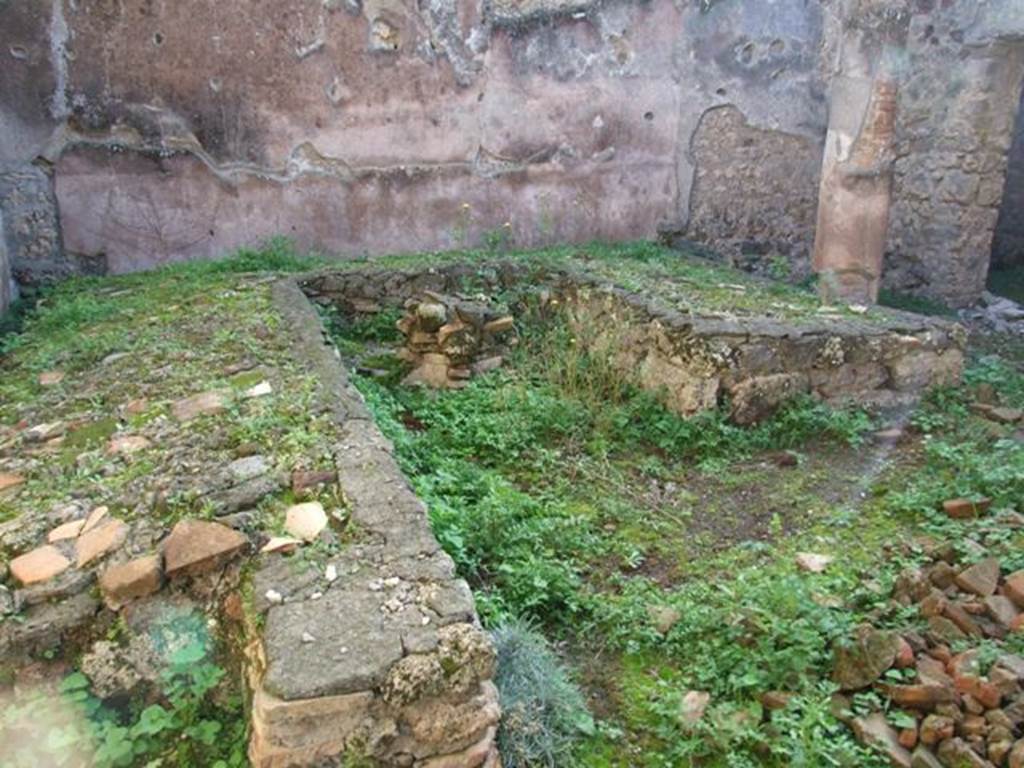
{"type": "Point", "coordinates": [658, 553]}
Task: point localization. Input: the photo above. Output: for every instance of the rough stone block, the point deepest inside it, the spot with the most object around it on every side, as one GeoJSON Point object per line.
{"type": "Point", "coordinates": [128, 581]}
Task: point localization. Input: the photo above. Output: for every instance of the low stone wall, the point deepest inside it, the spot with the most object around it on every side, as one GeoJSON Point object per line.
{"type": "Point", "coordinates": [380, 654]}
{"type": "Point", "coordinates": [696, 361]}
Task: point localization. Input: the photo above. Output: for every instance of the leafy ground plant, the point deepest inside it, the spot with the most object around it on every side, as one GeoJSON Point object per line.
{"type": "Point", "coordinates": [189, 726]}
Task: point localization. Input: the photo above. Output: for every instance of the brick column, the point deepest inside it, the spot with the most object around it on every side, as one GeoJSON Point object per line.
{"type": "Point", "coordinates": [856, 177]}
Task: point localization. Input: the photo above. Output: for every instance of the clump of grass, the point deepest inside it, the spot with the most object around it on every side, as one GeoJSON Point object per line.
{"type": "Point", "coordinates": [543, 713]}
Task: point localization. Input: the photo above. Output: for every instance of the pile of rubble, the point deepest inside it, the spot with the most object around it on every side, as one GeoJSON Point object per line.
{"type": "Point", "coordinates": [995, 313]}
{"type": "Point", "coordinates": [954, 678]}
{"type": "Point", "coordinates": [448, 339]}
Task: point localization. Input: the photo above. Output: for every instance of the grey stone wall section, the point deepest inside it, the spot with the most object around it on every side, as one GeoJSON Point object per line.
{"type": "Point", "coordinates": [5, 271]}
{"type": "Point", "coordinates": [754, 194]}
{"type": "Point", "coordinates": [380, 656]}
{"type": "Point", "coordinates": [31, 229]}
{"type": "Point", "coordinates": [955, 121]}
{"type": "Point", "coordinates": [1008, 244]}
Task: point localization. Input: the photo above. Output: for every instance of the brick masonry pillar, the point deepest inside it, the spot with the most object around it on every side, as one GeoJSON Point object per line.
{"type": "Point", "coordinates": [856, 179]}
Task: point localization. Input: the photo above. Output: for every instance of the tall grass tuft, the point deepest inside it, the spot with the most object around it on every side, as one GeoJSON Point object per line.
{"type": "Point", "coordinates": [543, 713]}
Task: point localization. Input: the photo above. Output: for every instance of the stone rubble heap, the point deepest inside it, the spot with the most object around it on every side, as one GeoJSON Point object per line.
{"type": "Point", "coordinates": [996, 313]}
{"type": "Point", "coordinates": [448, 339]}
{"type": "Point", "coordinates": [966, 703]}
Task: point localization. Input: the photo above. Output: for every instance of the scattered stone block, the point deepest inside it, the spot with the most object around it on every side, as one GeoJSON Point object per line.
{"type": "Point", "coordinates": [248, 467]}
{"type": "Point", "coordinates": [981, 578]}
{"type": "Point", "coordinates": [1013, 588]}
{"type": "Point", "coordinates": [924, 758]}
{"type": "Point", "coordinates": [100, 541]}
{"type": "Point", "coordinates": [813, 563]}
{"type": "Point", "coordinates": [305, 521]}
{"type": "Point", "coordinates": [663, 617]}
{"type": "Point", "coordinates": [937, 728]}
{"type": "Point", "coordinates": [50, 378]}
{"type": "Point", "coordinates": [966, 509]}
{"type": "Point", "coordinates": [127, 444]}
{"type": "Point", "coordinates": [9, 480]}
{"type": "Point", "coordinates": [1001, 609]}
{"type": "Point", "coordinates": [65, 531]}
{"type": "Point", "coordinates": [866, 658]}
{"type": "Point", "coordinates": [43, 432]}
{"type": "Point", "coordinates": [129, 581]}
{"type": "Point", "coordinates": [136, 406]}
{"type": "Point", "coordinates": [1000, 414]}
{"type": "Point", "coordinates": [41, 564]}
{"type": "Point", "coordinates": [195, 547]}
{"type": "Point", "coordinates": [875, 731]}
{"type": "Point", "coordinates": [303, 480]}
{"type": "Point", "coordinates": [923, 696]}
{"type": "Point", "coordinates": [203, 404]}
{"type": "Point", "coordinates": [95, 518]}
{"type": "Point", "coordinates": [282, 544]}
{"type": "Point", "coordinates": [692, 707]}
{"type": "Point", "coordinates": [259, 390]}
{"type": "Point", "coordinates": [247, 494]}
{"type": "Point", "coordinates": [500, 325]}
{"type": "Point", "coordinates": [957, 752]}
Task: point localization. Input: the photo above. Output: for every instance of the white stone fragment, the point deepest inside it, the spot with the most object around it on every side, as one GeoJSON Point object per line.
{"type": "Point", "coordinates": [305, 521]}
{"type": "Point", "coordinates": [274, 597]}
{"type": "Point", "coordinates": [260, 390]}
{"type": "Point", "coordinates": [331, 574]}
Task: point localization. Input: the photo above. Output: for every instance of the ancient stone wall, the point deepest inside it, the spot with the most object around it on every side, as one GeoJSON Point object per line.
{"type": "Point", "coordinates": [140, 133]}
{"type": "Point", "coordinates": [378, 658]}
{"type": "Point", "coordinates": [1008, 244]}
{"type": "Point", "coordinates": [181, 132]}
{"type": "Point", "coordinates": [955, 120]}
{"type": "Point", "coordinates": [698, 360]}
{"type": "Point", "coordinates": [774, 173]}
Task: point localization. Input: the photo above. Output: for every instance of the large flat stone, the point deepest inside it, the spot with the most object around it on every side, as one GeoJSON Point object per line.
{"type": "Point", "coordinates": [305, 731]}
{"type": "Point", "coordinates": [203, 404]}
{"type": "Point", "coordinates": [196, 547]}
{"type": "Point", "coordinates": [41, 564]}
{"type": "Point", "coordinates": [9, 480]}
{"type": "Point", "coordinates": [44, 626]}
{"type": "Point", "coordinates": [352, 649]}
{"type": "Point", "coordinates": [100, 541]}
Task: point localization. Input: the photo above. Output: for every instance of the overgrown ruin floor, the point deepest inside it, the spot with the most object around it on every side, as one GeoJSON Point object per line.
{"type": "Point", "coordinates": [657, 552]}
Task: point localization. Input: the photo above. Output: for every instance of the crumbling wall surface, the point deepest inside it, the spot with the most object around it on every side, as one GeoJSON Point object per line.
{"type": "Point", "coordinates": [755, 193]}
{"type": "Point", "coordinates": [958, 100]}
{"type": "Point", "coordinates": [182, 131]}
{"type": "Point", "coordinates": [1008, 244]}
{"type": "Point", "coordinates": [145, 132]}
